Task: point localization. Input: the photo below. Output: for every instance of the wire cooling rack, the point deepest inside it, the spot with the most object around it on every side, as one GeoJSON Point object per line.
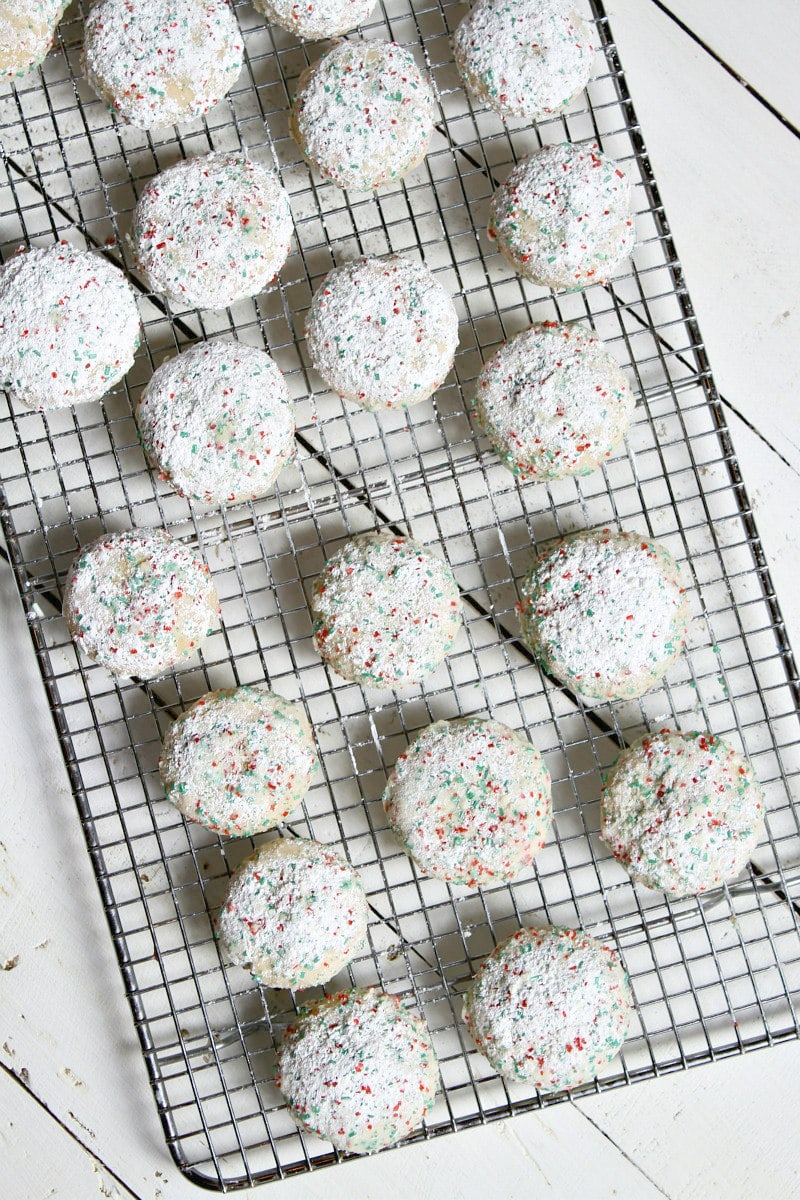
{"type": "Point", "coordinates": [711, 976]}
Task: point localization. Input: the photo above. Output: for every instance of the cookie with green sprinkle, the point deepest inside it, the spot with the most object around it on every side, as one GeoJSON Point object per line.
{"type": "Point", "coordinates": [314, 20]}
{"type": "Point", "coordinates": [26, 34]}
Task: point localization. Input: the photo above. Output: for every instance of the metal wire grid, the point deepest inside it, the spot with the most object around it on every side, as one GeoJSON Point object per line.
{"type": "Point", "coordinates": [711, 977]}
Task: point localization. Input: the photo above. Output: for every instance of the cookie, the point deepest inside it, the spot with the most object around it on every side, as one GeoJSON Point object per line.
{"type": "Point", "coordinates": [363, 114]}
{"type": "Point", "coordinates": [551, 1007]}
{"type": "Point", "coordinates": [238, 761]}
{"type": "Point", "coordinates": [217, 422]}
{"type": "Point", "coordinates": [563, 218]}
{"type": "Point", "coordinates": [138, 602]}
{"type": "Point", "coordinates": [294, 915]}
{"type": "Point", "coordinates": [682, 812]}
{"type": "Point", "coordinates": [69, 326]}
{"type": "Point", "coordinates": [358, 1070]}
{"type": "Point", "coordinates": [382, 332]}
{"type": "Point", "coordinates": [211, 230]}
{"type": "Point", "coordinates": [26, 34]}
{"type": "Point", "coordinates": [386, 611]}
{"type": "Point", "coordinates": [316, 19]}
{"type": "Point", "coordinates": [158, 62]}
{"type": "Point", "coordinates": [553, 402]}
{"type": "Point", "coordinates": [524, 58]}
{"type": "Point", "coordinates": [605, 613]}
{"type": "Point", "coordinates": [470, 800]}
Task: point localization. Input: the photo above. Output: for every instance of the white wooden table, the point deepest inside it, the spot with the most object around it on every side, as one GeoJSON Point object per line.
{"type": "Point", "coordinates": [715, 86]}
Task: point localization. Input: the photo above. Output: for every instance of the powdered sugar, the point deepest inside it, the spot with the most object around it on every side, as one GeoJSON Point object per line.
{"type": "Point", "coordinates": [682, 811]}
{"type": "Point", "coordinates": [553, 401]}
{"type": "Point", "coordinates": [382, 332]}
{"type": "Point", "coordinates": [26, 34]}
{"type": "Point", "coordinates": [470, 799]}
{"type": "Point", "coordinates": [563, 217]}
{"type": "Point", "coordinates": [69, 326]}
{"type": "Point", "coordinates": [386, 611]}
{"type": "Point", "coordinates": [157, 62]}
{"type": "Point", "coordinates": [217, 422]}
{"type": "Point", "coordinates": [138, 603]}
{"type": "Point", "coordinates": [212, 230]}
{"type": "Point", "coordinates": [524, 58]}
{"type": "Point", "coordinates": [238, 761]}
{"type": "Point", "coordinates": [358, 1070]}
{"type": "Point", "coordinates": [363, 114]}
{"type": "Point", "coordinates": [605, 613]}
{"type": "Point", "coordinates": [550, 1006]}
{"type": "Point", "coordinates": [295, 913]}
{"type": "Point", "coordinates": [316, 19]}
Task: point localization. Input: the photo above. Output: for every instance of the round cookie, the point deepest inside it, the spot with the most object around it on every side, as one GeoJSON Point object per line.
{"type": "Point", "coordinates": [158, 62]}
{"type": "Point", "coordinates": [211, 230]}
{"type": "Point", "coordinates": [553, 402]}
{"type": "Point", "coordinates": [69, 326]}
{"type": "Point", "coordinates": [386, 611]}
{"type": "Point", "coordinates": [563, 218]}
{"type": "Point", "coordinates": [315, 19]}
{"type": "Point", "coordinates": [382, 332]}
{"type": "Point", "coordinates": [550, 1007]}
{"type": "Point", "coordinates": [294, 915]}
{"type": "Point", "coordinates": [27, 28]}
{"type": "Point", "coordinates": [682, 812]}
{"type": "Point", "coordinates": [524, 58]}
{"type": "Point", "coordinates": [138, 602]}
{"type": "Point", "coordinates": [238, 761]}
{"type": "Point", "coordinates": [363, 114]}
{"type": "Point", "coordinates": [470, 800]}
{"type": "Point", "coordinates": [358, 1070]}
{"type": "Point", "coordinates": [217, 422]}
{"type": "Point", "coordinates": [605, 613]}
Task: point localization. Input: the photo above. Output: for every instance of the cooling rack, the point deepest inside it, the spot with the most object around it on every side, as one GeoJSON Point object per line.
{"type": "Point", "coordinates": [713, 976]}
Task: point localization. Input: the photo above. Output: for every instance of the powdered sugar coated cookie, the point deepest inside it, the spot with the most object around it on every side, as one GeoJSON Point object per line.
{"type": "Point", "coordinates": [217, 422]}
{"type": "Point", "coordinates": [682, 811]}
{"type": "Point", "coordinates": [563, 218]}
{"type": "Point", "coordinates": [605, 613]}
{"type": "Point", "coordinates": [295, 913]}
{"type": "Point", "coordinates": [138, 602]}
{"type": "Point", "coordinates": [553, 401]}
{"type": "Point", "coordinates": [157, 62]}
{"type": "Point", "coordinates": [382, 332]}
{"type": "Point", "coordinates": [315, 19]}
{"type": "Point", "coordinates": [358, 1069]}
{"type": "Point", "coordinates": [69, 326]}
{"type": "Point", "coordinates": [363, 114]}
{"type": "Point", "coordinates": [26, 34]}
{"type": "Point", "coordinates": [238, 761]}
{"type": "Point", "coordinates": [470, 800]}
{"type": "Point", "coordinates": [550, 1006]}
{"type": "Point", "coordinates": [212, 230]}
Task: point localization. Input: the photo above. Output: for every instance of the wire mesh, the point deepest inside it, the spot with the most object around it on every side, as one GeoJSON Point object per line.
{"type": "Point", "coordinates": [711, 976]}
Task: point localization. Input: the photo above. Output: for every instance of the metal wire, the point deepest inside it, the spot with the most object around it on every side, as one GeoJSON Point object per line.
{"type": "Point", "coordinates": [712, 976]}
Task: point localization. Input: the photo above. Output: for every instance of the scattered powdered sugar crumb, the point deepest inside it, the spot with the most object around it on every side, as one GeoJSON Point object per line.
{"type": "Point", "coordinates": [212, 230]}
{"type": "Point", "coordinates": [138, 602]}
{"type": "Point", "coordinates": [682, 811]}
{"type": "Point", "coordinates": [525, 58]}
{"type": "Point", "coordinates": [382, 332]}
{"type": "Point", "coordinates": [316, 19]}
{"type": "Point", "coordinates": [363, 114]}
{"type": "Point", "coordinates": [553, 401]}
{"type": "Point", "coordinates": [605, 612]}
{"type": "Point", "coordinates": [157, 62]}
{"type": "Point", "coordinates": [550, 1006]}
{"type": "Point", "coordinates": [563, 218]}
{"type": "Point", "coordinates": [217, 422]}
{"type": "Point", "coordinates": [386, 611]}
{"type": "Point", "coordinates": [358, 1070]}
{"type": "Point", "coordinates": [470, 799]}
{"type": "Point", "coordinates": [238, 761]}
{"type": "Point", "coordinates": [294, 915]}
{"type": "Point", "coordinates": [69, 326]}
